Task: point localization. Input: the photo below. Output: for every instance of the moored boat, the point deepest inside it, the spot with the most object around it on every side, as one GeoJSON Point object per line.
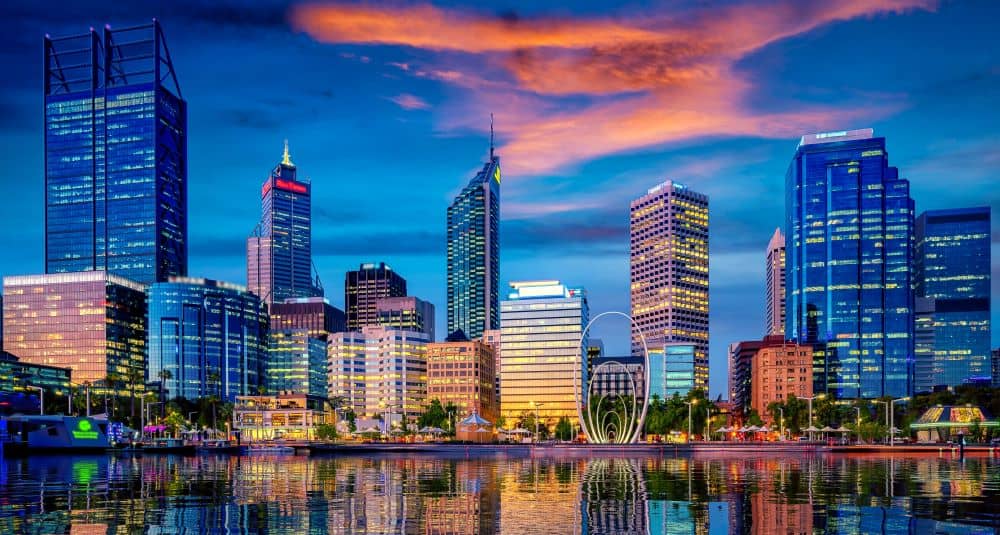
{"type": "Point", "coordinates": [29, 434]}
{"type": "Point", "coordinates": [218, 446]}
{"type": "Point", "coordinates": [270, 449]}
{"type": "Point", "coordinates": [168, 445]}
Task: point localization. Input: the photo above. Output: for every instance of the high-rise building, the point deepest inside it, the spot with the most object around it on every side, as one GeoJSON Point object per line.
{"type": "Point", "coordinates": [395, 373]}
{"type": "Point", "coordinates": [463, 373]}
{"type": "Point", "coordinates": [952, 281]}
{"type": "Point", "coordinates": [774, 277]}
{"type": "Point", "coordinates": [778, 370]}
{"type": "Point", "coordinates": [849, 232]}
{"type": "Point", "coordinates": [406, 313]}
{"type": "Point", "coordinates": [206, 338]}
{"type": "Point", "coordinates": [673, 370]}
{"type": "Point", "coordinates": [315, 314]}
{"type": "Point", "coordinates": [492, 338]}
{"type": "Point", "coordinates": [279, 253]}
{"type": "Point", "coordinates": [740, 379]}
{"type": "Point", "coordinates": [346, 369]}
{"type": "Point", "coordinates": [92, 322]}
{"type": "Point", "coordinates": [474, 253]}
{"type": "Point", "coordinates": [996, 367]}
{"type": "Point", "coordinates": [362, 290]}
{"type": "Point", "coordinates": [115, 155]}
{"type": "Point", "coordinates": [541, 323]}
{"type": "Point", "coordinates": [296, 363]}
{"type": "Point", "coordinates": [668, 230]}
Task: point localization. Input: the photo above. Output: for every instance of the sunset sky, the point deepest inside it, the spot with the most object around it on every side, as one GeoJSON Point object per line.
{"type": "Point", "coordinates": [386, 107]}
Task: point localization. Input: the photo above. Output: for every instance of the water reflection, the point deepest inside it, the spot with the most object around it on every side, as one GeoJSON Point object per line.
{"type": "Point", "coordinates": [434, 495]}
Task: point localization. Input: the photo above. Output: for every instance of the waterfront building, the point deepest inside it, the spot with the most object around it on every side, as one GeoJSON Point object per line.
{"type": "Point", "coordinates": [279, 252]}
{"type": "Point", "coordinates": [296, 363]}
{"type": "Point", "coordinates": [463, 372]}
{"type": "Point", "coordinates": [280, 417]}
{"type": "Point", "coordinates": [668, 229]}
{"type": "Point", "coordinates": [778, 370]}
{"type": "Point", "coordinates": [346, 369]}
{"type": "Point", "coordinates": [474, 253]}
{"type": "Point", "coordinates": [20, 381]}
{"type": "Point", "coordinates": [492, 338]}
{"type": "Point", "coordinates": [115, 155]}
{"type": "Point", "coordinates": [616, 376]}
{"type": "Point", "coordinates": [362, 290]}
{"type": "Point", "coordinates": [395, 373]}
{"type": "Point", "coordinates": [315, 314]}
{"type": "Point", "coordinates": [774, 278]}
{"type": "Point", "coordinates": [996, 367]}
{"type": "Point", "coordinates": [206, 338]}
{"type": "Point", "coordinates": [849, 256]}
{"type": "Point", "coordinates": [952, 274]}
{"type": "Point", "coordinates": [673, 370]}
{"type": "Point", "coordinates": [541, 323]}
{"type": "Point", "coordinates": [406, 313]}
{"type": "Point", "coordinates": [740, 368]}
{"type": "Point", "coordinates": [92, 322]}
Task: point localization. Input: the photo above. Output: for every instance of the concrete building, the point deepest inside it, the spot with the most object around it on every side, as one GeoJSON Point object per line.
{"type": "Point", "coordinates": [346, 369]}
{"type": "Point", "coordinates": [463, 373]}
{"type": "Point", "coordinates": [774, 279]}
{"type": "Point", "coordinates": [290, 417]}
{"type": "Point", "coordinates": [668, 230]}
{"type": "Point", "coordinates": [406, 313]}
{"type": "Point", "coordinates": [315, 314]}
{"type": "Point", "coordinates": [740, 374]}
{"type": "Point", "coordinates": [777, 371]}
{"type": "Point", "coordinates": [616, 376]}
{"type": "Point", "coordinates": [362, 290]}
{"type": "Point", "coordinates": [541, 323]}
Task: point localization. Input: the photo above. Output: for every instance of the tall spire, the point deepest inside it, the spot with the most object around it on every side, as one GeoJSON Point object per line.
{"type": "Point", "coordinates": [286, 159]}
{"type": "Point", "coordinates": [491, 136]}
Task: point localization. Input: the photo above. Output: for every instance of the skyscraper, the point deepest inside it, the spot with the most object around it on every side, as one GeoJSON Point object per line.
{"type": "Point", "coordinates": [540, 324]}
{"type": "Point", "coordinates": [279, 253]}
{"type": "Point", "coordinates": [406, 313]}
{"type": "Point", "coordinates": [115, 155]}
{"type": "Point", "coordinates": [774, 276]}
{"type": "Point", "coordinates": [363, 289]}
{"type": "Point", "coordinates": [206, 338]}
{"type": "Point", "coordinates": [849, 227]}
{"type": "Point", "coordinates": [952, 274]}
{"type": "Point", "coordinates": [345, 353]}
{"type": "Point", "coordinates": [296, 363]}
{"type": "Point", "coordinates": [313, 313]}
{"type": "Point", "coordinates": [668, 230]}
{"type": "Point", "coordinates": [474, 253]}
{"type": "Point", "coordinates": [463, 373]}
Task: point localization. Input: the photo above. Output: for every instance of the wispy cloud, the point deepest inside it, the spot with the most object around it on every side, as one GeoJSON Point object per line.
{"type": "Point", "coordinates": [621, 84]}
{"type": "Point", "coordinates": [410, 102]}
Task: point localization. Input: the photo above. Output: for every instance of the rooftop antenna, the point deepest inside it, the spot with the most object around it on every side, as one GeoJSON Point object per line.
{"type": "Point", "coordinates": [286, 159]}
{"type": "Point", "coordinates": [491, 137]}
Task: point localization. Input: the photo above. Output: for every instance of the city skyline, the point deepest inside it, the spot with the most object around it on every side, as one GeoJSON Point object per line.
{"type": "Point", "coordinates": [576, 208]}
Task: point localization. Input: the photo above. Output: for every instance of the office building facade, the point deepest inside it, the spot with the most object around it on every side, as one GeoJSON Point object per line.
{"type": "Point", "coordinates": [952, 274]}
{"type": "Point", "coordinates": [395, 373]}
{"type": "Point", "coordinates": [206, 338]}
{"type": "Point", "coordinates": [296, 363]}
{"type": "Point", "coordinates": [540, 324]}
{"type": "Point", "coordinates": [314, 314]}
{"type": "Point", "coordinates": [617, 376]}
{"type": "Point", "coordinates": [279, 252]}
{"type": "Point", "coordinates": [740, 379]}
{"type": "Point", "coordinates": [777, 371]}
{"type": "Point", "coordinates": [774, 280]}
{"type": "Point", "coordinates": [849, 232]}
{"type": "Point", "coordinates": [668, 229]}
{"type": "Point", "coordinates": [474, 254]}
{"type": "Point", "coordinates": [346, 369]}
{"type": "Point", "coordinates": [362, 290]}
{"type": "Point", "coordinates": [463, 373]}
{"type": "Point", "coordinates": [115, 156]}
{"type": "Point", "coordinates": [673, 370]}
{"type": "Point", "coordinates": [492, 338]}
{"type": "Point", "coordinates": [407, 314]}
{"type": "Point", "coordinates": [92, 322]}
{"type": "Point", "coordinates": [20, 381]}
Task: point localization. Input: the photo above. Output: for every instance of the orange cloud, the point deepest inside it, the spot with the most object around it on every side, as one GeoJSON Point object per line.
{"type": "Point", "coordinates": [410, 102]}
{"type": "Point", "coordinates": [644, 81]}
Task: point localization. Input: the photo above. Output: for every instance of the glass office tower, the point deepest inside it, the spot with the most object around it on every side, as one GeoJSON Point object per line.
{"type": "Point", "coordinates": [849, 252]}
{"type": "Point", "coordinates": [279, 253]}
{"type": "Point", "coordinates": [206, 338]}
{"type": "Point", "coordinates": [364, 288]}
{"type": "Point", "coordinates": [296, 363]}
{"type": "Point", "coordinates": [313, 313]}
{"type": "Point", "coordinates": [474, 254]}
{"type": "Point", "coordinates": [540, 325]}
{"type": "Point", "coordinates": [115, 155]}
{"type": "Point", "coordinates": [774, 279]}
{"type": "Point", "coordinates": [953, 284]}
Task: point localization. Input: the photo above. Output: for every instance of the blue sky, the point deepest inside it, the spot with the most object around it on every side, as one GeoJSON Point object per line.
{"type": "Point", "coordinates": [386, 107]}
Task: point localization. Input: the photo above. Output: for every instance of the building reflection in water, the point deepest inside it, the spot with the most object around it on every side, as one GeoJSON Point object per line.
{"type": "Point", "coordinates": [435, 495]}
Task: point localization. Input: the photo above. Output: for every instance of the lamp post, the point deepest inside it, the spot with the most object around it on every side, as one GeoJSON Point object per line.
{"type": "Point", "coordinates": [690, 404]}
{"type": "Point", "coordinates": [708, 424]}
{"type": "Point", "coordinates": [87, 386]}
{"type": "Point", "coordinates": [781, 424]}
{"type": "Point", "coordinates": [41, 399]}
{"type": "Point", "coordinates": [892, 419]}
{"type": "Point", "coordinates": [858, 424]}
{"type": "Point", "coordinates": [810, 400]}
{"type": "Point", "coordinates": [536, 406]}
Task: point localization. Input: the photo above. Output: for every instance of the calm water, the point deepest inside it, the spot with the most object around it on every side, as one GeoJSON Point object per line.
{"type": "Point", "coordinates": [426, 494]}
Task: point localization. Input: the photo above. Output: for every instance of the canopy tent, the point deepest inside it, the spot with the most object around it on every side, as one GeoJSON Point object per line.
{"type": "Point", "coordinates": [474, 428]}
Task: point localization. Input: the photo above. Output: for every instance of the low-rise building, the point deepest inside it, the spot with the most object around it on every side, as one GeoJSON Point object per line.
{"type": "Point", "coordinates": [463, 373]}
{"type": "Point", "coordinates": [777, 371]}
{"type": "Point", "coordinates": [20, 381]}
{"type": "Point", "coordinates": [280, 417]}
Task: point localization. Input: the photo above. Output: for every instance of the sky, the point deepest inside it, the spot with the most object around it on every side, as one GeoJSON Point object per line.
{"type": "Point", "coordinates": [386, 108]}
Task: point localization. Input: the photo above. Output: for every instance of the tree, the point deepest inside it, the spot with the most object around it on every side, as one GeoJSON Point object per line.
{"type": "Point", "coordinates": [754, 419]}
{"type": "Point", "coordinates": [564, 429]}
{"type": "Point", "coordinates": [976, 430]}
{"type": "Point", "coordinates": [434, 416]}
{"type": "Point", "coordinates": [326, 432]}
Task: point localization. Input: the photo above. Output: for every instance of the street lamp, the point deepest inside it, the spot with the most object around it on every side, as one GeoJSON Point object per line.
{"type": "Point", "coordinates": [781, 424]}
{"type": "Point", "coordinates": [690, 404]}
{"type": "Point", "coordinates": [708, 423]}
{"type": "Point", "coordinates": [536, 406]}
{"type": "Point", "coordinates": [892, 419]}
{"type": "Point", "coordinates": [810, 400]}
{"type": "Point", "coordinates": [41, 399]}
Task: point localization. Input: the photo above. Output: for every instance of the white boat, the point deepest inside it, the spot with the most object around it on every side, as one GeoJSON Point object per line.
{"type": "Point", "coordinates": [270, 449]}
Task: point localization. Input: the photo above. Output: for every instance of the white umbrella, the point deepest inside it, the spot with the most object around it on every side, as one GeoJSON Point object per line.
{"type": "Point", "coordinates": [811, 429]}
{"type": "Point", "coordinates": [722, 429]}
{"type": "Point", "coordinates": [753, 429]}
{"type": "Point", "coordinates": [827, 429]}
{"type": "Point", "coordinates": [764, 429]}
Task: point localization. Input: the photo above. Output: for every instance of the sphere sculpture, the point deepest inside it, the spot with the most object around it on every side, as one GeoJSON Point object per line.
{"type": "Point", "coordinates": [611, 421]}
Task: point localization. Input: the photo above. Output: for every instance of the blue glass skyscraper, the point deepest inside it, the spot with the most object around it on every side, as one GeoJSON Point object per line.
{"type": "Point", "coordinates": [474, 254]}
{"type": "Point", "coordinates": [115, 155]}
{"type": "Point", "coordinates": [849, 254]}
{"type": "Point", "coordinates": [953, 285]}
{"type": "Point", "coordinates": [206, 338]}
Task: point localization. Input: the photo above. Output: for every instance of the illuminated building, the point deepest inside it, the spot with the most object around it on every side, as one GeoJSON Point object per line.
{"type": "Point", "coordinates": [92, 322]}
{"type": "Point", "coordinates": [492, 338]}
{"type": "Point", "coordinates": [315, 314]}
{"type": "Point", "coordinates": [996, 367]}
{"type": "Point", "coordinates": [673, 369]}
{"type": "Point", "coordinates": [206, 338]}
{"type": "Point", "coordinates": [541, 323]}
{"type": "Point", "coordinates": [406, 313]}
{"type": "Point", "coordinates": [19, 382]}
{"type": "Point", "coordinates": [115, 155]}
{"type": "Point", "coordinates": [345, 354]}
{"type": "Point", "coordinates": [296, 363]}
{"type": "Point", "coordinates": [774, 278]}
{"type": "Point", "coordinates": [740, 370]}
{"type": "Point", "coordinates": [778, 370]}
{"type": "Point", "coordinates": [281, 416]}
{"type": "Point", "coordinates": [474, 253]}
{"type": "Point", "coordinates": [463, 373]}
{"type": "Point", "coordinates": [362, 290]}
{"type": "Point", "coordinates": [952, 275]}
{"type": "Point", "coordinates": [279, 253]}
{"type": "Point", "coordinates": [668, 230]}
{"type": "Point", "coordinates": [848, 257]}
{"type": "Point", "coordinates": [616, 376]}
